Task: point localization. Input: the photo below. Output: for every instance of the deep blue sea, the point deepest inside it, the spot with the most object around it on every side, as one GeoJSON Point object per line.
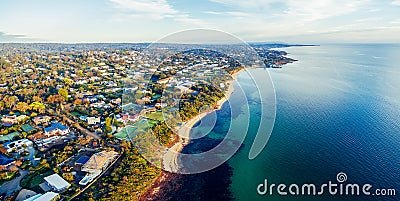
{"type": "Point", "coordinates": [338, 110]}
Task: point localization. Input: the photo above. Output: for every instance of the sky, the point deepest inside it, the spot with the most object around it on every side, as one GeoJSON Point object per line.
{"type": "Point", "coordinates": [291, 21]}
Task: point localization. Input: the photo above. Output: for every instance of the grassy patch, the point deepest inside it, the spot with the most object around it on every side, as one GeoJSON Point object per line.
{"type": "Point", "coordinates": [32, 181]}
{"type": "Point", "coordinates": [125, 132]}
{"type": "Point", "coordinates": [76, 114]}
{"type": "Point", "coordinates": [158, 116]}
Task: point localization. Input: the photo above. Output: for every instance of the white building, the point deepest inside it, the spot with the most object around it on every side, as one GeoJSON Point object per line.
{"type": "Point", "coordinates": [49, 196]}
{"type": "Point", "coordinates": [93, 120]}
{"type": "Point", "coordinates": [57, 183]}
{"type": "Point", "coordinates": [18, 146]}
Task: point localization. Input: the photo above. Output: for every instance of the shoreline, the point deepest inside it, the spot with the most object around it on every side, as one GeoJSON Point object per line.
{"type": "Point", "coordinates": [170, 160]}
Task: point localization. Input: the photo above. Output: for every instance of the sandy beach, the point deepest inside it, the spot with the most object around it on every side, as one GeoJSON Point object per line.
{"type": "Point", "coordinates": [170, 160]}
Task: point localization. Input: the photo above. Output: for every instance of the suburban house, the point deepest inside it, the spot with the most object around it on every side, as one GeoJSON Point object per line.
{"type": "Point", "coordinates": [97, 163]}
{"type": "Point", "coordinates": [41, 119]}
{"type": "Point", "coordinates": [130, 118]}
{"type": "Point", "coordinates": [5, 161]}
{"type": "Point", "coordinates": [165, 80]}
{"type": "Point", "coordinates": [116, 101]}
{"type": "Point", "coordinates": [182, 89]}
{"type": "Point", "coordinates": [13, 119]}
{"type": "Point", "coordinates": [55, 129]}
{"type": "Point", "coordinates": [160, 105]}
{"type": "Point", "coordinates": [93, 120]}
{"type": "Point", "coordinates": [49, 196]}
{"type": "Point", "coordinates": [56, 182]}
{"type": "Point", "coordinates": [18, 146]}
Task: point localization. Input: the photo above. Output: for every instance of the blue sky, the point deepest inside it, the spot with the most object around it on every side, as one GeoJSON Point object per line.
{"type": "Point", "coordinates": [294, 21]}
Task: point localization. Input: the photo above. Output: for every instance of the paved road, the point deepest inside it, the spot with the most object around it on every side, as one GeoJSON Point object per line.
{"type": "Point", "coordinates": [83, 130]}
{"type": "Point", "coordinates": [13, 185]}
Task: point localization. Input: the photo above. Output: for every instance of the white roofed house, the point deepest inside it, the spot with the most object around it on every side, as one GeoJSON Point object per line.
{"type": "Point", "coordinates": [49, 196]}
{"type": "Point", "coordinates": [93, 120]}
{"type": "Point", "coordinates": [18, 146]}
{"type": "Point", "coordinates": [57, 183]}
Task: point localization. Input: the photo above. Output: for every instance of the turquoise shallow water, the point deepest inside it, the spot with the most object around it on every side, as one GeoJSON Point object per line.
{"type": "Point", "coordinates": [338, 110]}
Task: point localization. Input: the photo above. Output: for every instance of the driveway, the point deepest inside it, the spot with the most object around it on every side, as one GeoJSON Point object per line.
{"type": "Point", "coordinates": [13, 185]}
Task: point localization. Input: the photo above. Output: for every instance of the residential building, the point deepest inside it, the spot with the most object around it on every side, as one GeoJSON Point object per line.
{"type": "Point", "coordinates": [56, 182]}
{"type": "Point", "coordinates": [96, 165]}
{"type": "Point", "coordinates": [13, 119]}
{"type": "Point", "coordinates": [41, 119]}
{"type": "Point", "coordinates": [99, 161]}
{"type": "Point", "coordinates": [56, 129]}
{"type": "Point", "coordinates": [93, 120]}
{"type": "Point", "coordinates": [18, 146]}
{"type": "Point", "coordinates": [49, 196]}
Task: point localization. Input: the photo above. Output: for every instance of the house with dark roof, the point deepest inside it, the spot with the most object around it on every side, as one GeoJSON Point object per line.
{"type": "Point", "coordinates": [5, 161]}
{"type": "Point", "coordinates": [56, 129]}
{"type": "Point", "coordinates": [82, 160]}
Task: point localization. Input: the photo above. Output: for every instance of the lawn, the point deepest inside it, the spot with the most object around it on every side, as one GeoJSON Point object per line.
{"type": "Point", "coordinates": [125, 132]}
{"type": "Point", "coordinates": [76, 114]}
{"type": "Point", "coordinates": [155, 116]}
{"type": "Point", "coordinates": [137, 128]}
{"type": "Point", "coordinates": [32, 181]}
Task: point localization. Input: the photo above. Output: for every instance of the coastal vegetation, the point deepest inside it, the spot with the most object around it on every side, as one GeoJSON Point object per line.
{"type": "Point", "coordinates": [126, 182]}
{"type": "Point", "coordinates": [206, 99]}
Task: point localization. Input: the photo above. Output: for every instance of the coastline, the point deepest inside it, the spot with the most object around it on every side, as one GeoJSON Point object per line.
{"type": "Point", "coordinates": [170, 160]}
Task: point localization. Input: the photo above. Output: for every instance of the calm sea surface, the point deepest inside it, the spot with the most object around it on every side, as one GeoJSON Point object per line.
{"type": "Point", "coordinates": [338, 110]}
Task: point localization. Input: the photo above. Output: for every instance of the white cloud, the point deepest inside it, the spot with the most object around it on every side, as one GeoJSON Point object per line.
{"type": "Point", "coordinates": [396, 2]}
{"type": "Point", "coordinates": [153, 9]}
{"type": "Point", "coordinates": [229, 13]}
{"type": "Point", "coordinates": [308, 11]}
{"type": "Point", "coordinates": [246, 4]}
{"type": "Point", "coordinates": [159, 8]}
{"type": "Point", "coordinates": [322, 9]}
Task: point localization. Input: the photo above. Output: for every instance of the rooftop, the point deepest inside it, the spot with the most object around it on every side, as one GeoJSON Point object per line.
{"type": "Point", "coordinates": [82, 160]}
{"type": "Point", "coordinates": [4, 160]}
{"type": "Point", "coordinates": [47, 196]}
{"type": "Point", "coordinates": [55, 126]}
{"type": "Point", "coordinates": [57, 182]}
{"type": "Point", "coordinates": [99, 160]}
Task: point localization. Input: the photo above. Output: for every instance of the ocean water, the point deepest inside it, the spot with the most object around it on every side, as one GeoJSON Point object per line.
{"type": "Point", "coordinates": [338, 110]}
